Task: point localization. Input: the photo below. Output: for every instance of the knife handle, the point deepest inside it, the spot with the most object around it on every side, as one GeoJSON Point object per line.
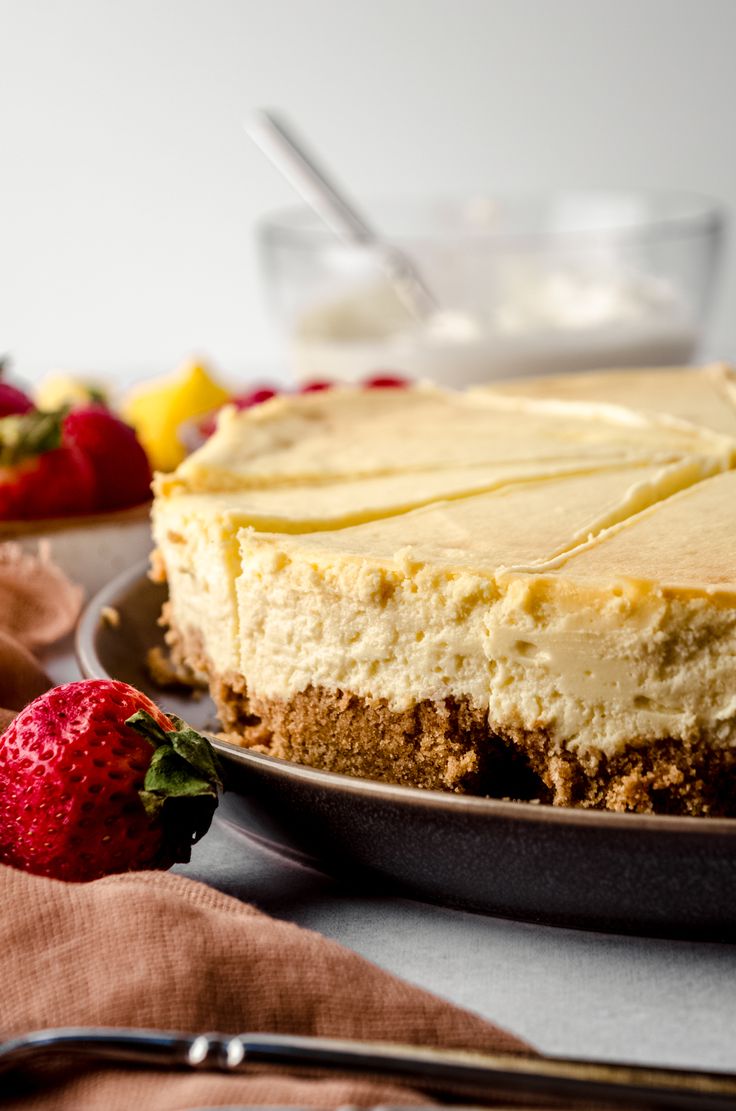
{"type": "Point", "coordinates": [546, 1080]}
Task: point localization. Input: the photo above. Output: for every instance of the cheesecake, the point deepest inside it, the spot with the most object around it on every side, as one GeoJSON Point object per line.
{"type": "Point", "coordinates": [706, 397]}
{"type": "Point", "coordinates": [519, 592]}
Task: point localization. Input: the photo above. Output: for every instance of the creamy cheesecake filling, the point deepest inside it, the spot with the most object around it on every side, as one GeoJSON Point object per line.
{"type": "Point", "coordinates": [201, 560]}
{"type": "Point", "coordinates": [197, 535]}
{"type": "Point", "coordinates": [596, 659]}
{"type": "Point", "coordinates": [599, 677]}
{"type": "Point", "coordinates": [595, 674]}
{"type": "Point", "coordinates": [378, 633]}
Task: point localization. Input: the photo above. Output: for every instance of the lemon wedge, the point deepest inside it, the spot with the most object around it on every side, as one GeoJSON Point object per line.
{"type": "Point", "coordinates": [158, 408]}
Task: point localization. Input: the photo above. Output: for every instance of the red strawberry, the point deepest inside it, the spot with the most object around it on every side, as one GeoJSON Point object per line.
{"type": "Point", "coordinates": [243, 401]}
{"type": "Point", "coordinates": [95, 779]}
{"type": "Point", "coordinates": [13, 400]}
{"type": "Point", "coordinates": [316, 386]}
{"type": "Point", "coordinates": [206, 427]}
{"type": "Point", "coordinates": [254, 397]}
{"type": "Point", "coordinates": [39, 477]}
{"type": "Point", "coordinates": [385, 382]}
{"type": "Point", "coordinates": [121, 468]}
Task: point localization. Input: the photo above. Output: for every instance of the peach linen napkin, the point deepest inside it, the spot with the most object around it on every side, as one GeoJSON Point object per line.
{"type": "Point", "coordinates": [38, 606]}
{"type": "Point", "coordinates": [151, 949]}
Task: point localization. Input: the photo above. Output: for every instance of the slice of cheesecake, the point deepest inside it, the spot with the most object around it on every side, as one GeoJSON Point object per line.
{"type": "Point", "coordinates": [629, 644]}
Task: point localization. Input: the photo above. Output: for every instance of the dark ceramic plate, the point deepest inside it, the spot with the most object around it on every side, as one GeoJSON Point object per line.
{"type": "Point", "coordinates": [626, 872]}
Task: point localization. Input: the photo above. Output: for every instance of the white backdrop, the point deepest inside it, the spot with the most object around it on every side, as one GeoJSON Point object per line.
{"type": "Point", "coordinates": [128, 191]}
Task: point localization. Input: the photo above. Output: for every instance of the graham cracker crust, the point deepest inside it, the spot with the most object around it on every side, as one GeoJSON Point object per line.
{"type": "Point", "coordinates": [450, 745]}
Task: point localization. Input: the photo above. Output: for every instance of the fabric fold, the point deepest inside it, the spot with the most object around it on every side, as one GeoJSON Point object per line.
{"type": "Point", "coordinates": [162, 951]}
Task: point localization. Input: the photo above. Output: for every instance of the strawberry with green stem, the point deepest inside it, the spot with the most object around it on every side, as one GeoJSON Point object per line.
{"type": "Point", "coordinates": [40, 475]}
{"type": "Point", "coordinates": [96, 779]}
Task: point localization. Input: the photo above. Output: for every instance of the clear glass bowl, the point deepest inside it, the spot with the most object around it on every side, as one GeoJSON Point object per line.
{"type": "Point", "coordinates": [526, 285]}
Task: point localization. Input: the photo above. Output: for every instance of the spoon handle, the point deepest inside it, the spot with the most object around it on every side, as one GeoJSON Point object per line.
{"type": "Point", "coordinates": [279, 143]}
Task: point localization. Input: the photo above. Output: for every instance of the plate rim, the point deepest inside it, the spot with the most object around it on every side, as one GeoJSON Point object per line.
{"type": "Point", "coordinates": [529, 812]}
{"type": "Point", "coordinates": [19, 529]}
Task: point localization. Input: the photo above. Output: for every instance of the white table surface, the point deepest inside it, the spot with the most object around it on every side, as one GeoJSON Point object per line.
{"type": "Point", "coordinates": [569, 992]}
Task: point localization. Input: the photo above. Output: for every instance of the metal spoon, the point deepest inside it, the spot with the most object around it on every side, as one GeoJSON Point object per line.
{"type": "Point", "coordinates": [279, 143]}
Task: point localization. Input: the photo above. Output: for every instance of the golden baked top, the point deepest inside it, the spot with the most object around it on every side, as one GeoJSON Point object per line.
{"type": "Point", "coordinates": [350, 433]}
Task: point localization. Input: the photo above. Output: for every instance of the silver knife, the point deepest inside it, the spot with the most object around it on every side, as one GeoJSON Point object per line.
{"type": "Point", "coordinates": [545, 1080]}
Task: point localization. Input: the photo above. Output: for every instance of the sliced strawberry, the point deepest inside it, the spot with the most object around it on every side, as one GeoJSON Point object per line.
{"type": "Point", "coordinates": [254, 397]}
{"type": "Point", "coordinates": [316, 386]}
{"type": "Point", "coordinates": [120, 465]}
{"type": "Point", "coordinates": [249, 400]}
{"type": "Point", "coordinates": [95, 779]}
{"type": "Point", "coordinates": [385, 382]}
{"type": "Point", "coordinates": [207, 426]}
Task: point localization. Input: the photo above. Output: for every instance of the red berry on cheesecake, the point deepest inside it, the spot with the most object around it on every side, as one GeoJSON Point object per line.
{"type": "Point", "coordinates": [316, 386]}
{"type": "Point", "coordinates": [254, 397]}
{"type": "Point", "coordinates": [385, 382]}
{"type": "Point", "coordinates": [249, 400]}
{"type": "Point", "coordinates": [96, 779]}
